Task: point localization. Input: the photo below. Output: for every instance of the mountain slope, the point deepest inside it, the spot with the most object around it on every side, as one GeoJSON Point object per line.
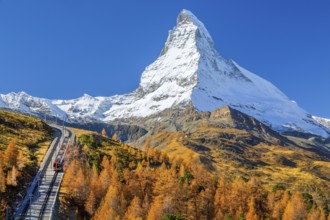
{"type": "Point", "coordinates": [2, 104]}
{"type": "Point", "coordinates": [231, 143]}
{"type": "Point", "coordinates": [223, 119]}
{"type": "Point", "coordinates": [323, 121]}
{"type": "Point", "coordinates": [189, 71]}
{"type": "Point", "coordinates": [221, 164]}
{"type": "Point", "coordinates": [27, 104]}
{"type": "Point", "coordinates": [85, 108]}
{"type": "Point", "coordinates": [31, 138]}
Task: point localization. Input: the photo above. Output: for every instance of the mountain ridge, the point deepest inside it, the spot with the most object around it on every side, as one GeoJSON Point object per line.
{"type": "Point", "coordinates": [323, 121]}
{"type": "Point", "coordinates": [188, 71]}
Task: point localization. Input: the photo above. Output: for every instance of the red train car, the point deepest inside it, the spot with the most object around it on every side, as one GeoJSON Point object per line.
{"type": "Point", "coordinates": [58, 165]}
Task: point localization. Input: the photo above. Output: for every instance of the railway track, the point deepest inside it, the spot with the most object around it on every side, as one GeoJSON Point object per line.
{"type": "Point", "coordinates": [59, 159]}
{"type": "Point", "coordinates": [45, 187]}
{"type": "Point", "coordinates": [44, 204]}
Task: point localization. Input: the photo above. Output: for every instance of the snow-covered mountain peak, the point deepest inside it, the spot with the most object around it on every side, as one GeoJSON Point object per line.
{"type": "Point", "coordinates": [187, 33]}
{"type": "Point", "coordinates": [21, 93]}
{"type": "Point", "coordinates": [87, 97]}
{"type": "Point", "coordinates": [189, 71]}
{"type": "Point", "coordinates": [26, 103]}
{"type": "Point", "coordinates": [186, 18]}
{"type": "Point", "coordinates": [188, 44]}
{"type": "Point", "coordinates": [16, 95]}
{"type": "Point", "coordinates": [187, 65]}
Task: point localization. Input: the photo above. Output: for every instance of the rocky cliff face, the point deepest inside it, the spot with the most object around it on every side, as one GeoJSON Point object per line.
{"type": "Point", "coordinates": [125, 132]}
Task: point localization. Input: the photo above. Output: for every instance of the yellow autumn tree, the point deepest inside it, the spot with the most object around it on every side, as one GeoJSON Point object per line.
{"type": "Point", "coordinates": [104, 132]}
{"type": "Point", "coordinates": [106, 165]}
{"type": "Point", "coordinates": [110, 206]}
{"type": "Point", "coordinates": [90, 204]}
{"type": "Point", "coordinates": [295, 209]}
{"type": "Point", "coordinates": [93, 175]}
{"type": "Point", "coordinates": [20, 160]}
{"type": "Point", "coordinates": [12, 176]}
{"type": "Point", "coordinates": [106, 213]}
{"type": "Point", "coordinates": [284, 201]}
{"type": "Point", "coordinates": [102, 183]}
{"type": "Point", "coordinates": [156, 210]}
{"type": "Point", "coordinates": [76, 183]}
{"type": "Point", "coordinates": [134, 211]}
{"type": "Point", "coordinates": [80, 187]}
{"type": "Point", "coordinates": [10, 157]}
{"type": "Point", "coordinates": [238, 197]}
{"type": "Point", "coordinates": [114, 137]}
{"type": "Point", "coordinates": [316, 214]}
{"type": "Point", "coordinates": [2, 180]}
{"type": "Point", "coordinates": [221, 200]}
{"type": "Point", "coordinates": [274, 204]}
{"type": "Point", "coordinates": [251, 214]}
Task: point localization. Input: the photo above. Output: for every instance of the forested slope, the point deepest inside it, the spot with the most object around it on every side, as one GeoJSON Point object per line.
{"type": "Point", "coordinates": [106, 179]}
{"type": "Point", "coordinates": [24, 141]}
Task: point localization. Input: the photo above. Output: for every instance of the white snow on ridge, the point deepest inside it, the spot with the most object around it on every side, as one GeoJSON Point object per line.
{"type": "Point", "coordinates": [188, 70]}
{"type": "Point", "coordinates": [27, 104]}
{"type": "Point", "coordinates": [85, 107]}
{"type": "Point", "coordinates": [323, 121]}
{"type": "Point", "coordinates": [2, 104]}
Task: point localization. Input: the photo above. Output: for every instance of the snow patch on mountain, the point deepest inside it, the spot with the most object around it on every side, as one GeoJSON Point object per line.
{"type": "Point", "coordinates": [323, 121]}
{"type": "Point", "coordinates": [85, 108]}
{"type": "Point", "coordinates": [2, 104]}
{"type": "Point", "coordinates": [27, 104]}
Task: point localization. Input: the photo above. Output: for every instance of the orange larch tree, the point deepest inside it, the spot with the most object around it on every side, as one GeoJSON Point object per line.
{"type": "Point", "coordinates": [2, 180]}
{"type": "Point", "coordinates": [104, 132]}
{"type": "Point", "coordinates": [134, 210]}
{"type": "Point", "coordinates": [90, 204]}
{"type": "Point", "coordinates": [10, 157]}
{"type": "Point", "coordinates": [296, 208]}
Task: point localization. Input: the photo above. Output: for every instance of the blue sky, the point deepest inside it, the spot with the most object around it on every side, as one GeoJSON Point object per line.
{"type": "Point", "coordinates": [61, 49]}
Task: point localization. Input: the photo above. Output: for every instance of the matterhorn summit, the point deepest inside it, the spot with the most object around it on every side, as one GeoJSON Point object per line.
{"type": "Point", "coordinates": [188, 72]}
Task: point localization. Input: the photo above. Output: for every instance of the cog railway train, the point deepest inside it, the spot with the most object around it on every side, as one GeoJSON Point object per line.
{"type": "Point", "coordinates": [58, 163]}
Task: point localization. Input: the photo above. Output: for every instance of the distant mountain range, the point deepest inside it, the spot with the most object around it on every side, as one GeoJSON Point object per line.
{"type": "Point", "coordinates": [188, 72]}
